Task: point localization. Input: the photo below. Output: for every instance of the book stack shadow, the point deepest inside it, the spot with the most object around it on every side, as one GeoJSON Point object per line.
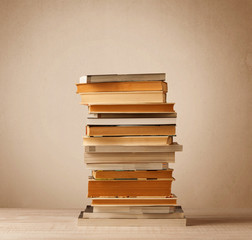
{"type": "Point", "coordinates": [129, 145]}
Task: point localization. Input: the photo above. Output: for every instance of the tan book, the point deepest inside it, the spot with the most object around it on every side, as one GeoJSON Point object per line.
{"type": "Point", "coordinates": [123, 77]}
{"type": "Point", "coordinates": [124, 188]}
{"type": "Point", "coordinates": [128, 141]}
{"type": "Point", "coordinates": [123, 97]}
{"type": "Point", "coordinates": [129, 157]}
{"type": "Point", "coordinates": [127, 166]}
{"type": "Point", "coordinates": [163, 130]}
{"type": "Point", "coordinates": [122, 86]}
{"type": "Point", "coordinates": [174, 147]}
{"type": "Point", "coordinates": [169, 201]}
{"type": "Point", "coordinates": [99, 174]}
{"type": "Point", "coordinates": [132, 108]}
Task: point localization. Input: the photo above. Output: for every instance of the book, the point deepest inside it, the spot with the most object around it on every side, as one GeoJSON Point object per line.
{"type": "Point", "coordinates": [180, 222]}
{"type": "Point", "coordinates": [134, 209]}
{"type": "Point", "coordinates": [132, 108]}
{"type": "Point", "coordinates": [122, 77]}
{"type": "Point", "coordinates": [89, 213]}
{"type": "Point", "coordinates": [131, 121]}
{"type": "Point", "coordinates": [136, 130]}
{"type": "Point", "coordinates": [131, 115]}
{"type": "Point", "coordinates": [174, 147]}
{"type": "Point", "coordinates": [122, 86]}
{"type": "Point", "coordinates": [127, 166]}
{"type": "Point", "coordinates": [99, 174]}
{"type": "Point", "coordinates": [128, 141]}
{"type": "Point", "coordinates": [125, 188]}
{"type": "Point", "coordinates": [129, 157]}
{"type": "Point", "coordinates": [139, 97]}
{"type": "Point", "coordinates": [134, 201]}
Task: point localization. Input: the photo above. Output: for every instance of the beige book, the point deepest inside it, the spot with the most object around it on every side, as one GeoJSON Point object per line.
{"type": "Point", "coordinates": [127, 166]}
{"type": "Point", "coordinates": [89, 213]}
{"type": "Point", "coordinates": [129, 157]}
{"type": "Point", "coordinates": [134, 209]}
{"type": "Point", "coordinates": [174, 147]}
{"type": "Point", "coordinates": [128, 141]}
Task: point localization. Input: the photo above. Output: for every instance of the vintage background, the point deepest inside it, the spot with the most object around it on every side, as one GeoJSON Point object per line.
{"type": "Point", "coordinates": [205, 47]}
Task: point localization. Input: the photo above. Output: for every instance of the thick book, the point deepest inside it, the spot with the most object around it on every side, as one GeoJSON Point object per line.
{"type": "Point", "coordinates": [135, 201]}
{"type": "Point", "coordinates": [180, 222]}
{"type": "Point", "coordinates": [132, 108]}
{"type": "Point", "coordinates": [139, 97]}
{"type": "Point", "coordinates": [128, 141]}
{"type": "Point", "coordinates": [125, 188]}
{"type": "Point", "coordinates": [129, 157]}
{"type": "Point", "coordinates": [90, 214]}
{"type": "Point", "coordinates": [122, 86]}
{"type": "Point", "coordinates": [131, 121]}
{"type": "Point", "coordinates": [153, 174]}
{"type": "Point", "coordinates": [122, 77]}
{"type": "Point", "coordinates": [174, 147]}
{"type": "Point", "coordinates": [136, 130]}
{"type": "Point", "coordinates": [127, 166]}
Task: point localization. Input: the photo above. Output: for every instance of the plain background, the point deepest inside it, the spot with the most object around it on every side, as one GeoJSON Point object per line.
{"type": "Point", "coordinates": [205, 47]}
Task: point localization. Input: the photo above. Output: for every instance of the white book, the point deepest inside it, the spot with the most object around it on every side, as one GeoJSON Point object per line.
{"type": "Point", "coordinates": [122, 77]}
{"type": "Point", "coordinates": [131, 121]}
{"type": "Point", "coordinates": [128, 166]}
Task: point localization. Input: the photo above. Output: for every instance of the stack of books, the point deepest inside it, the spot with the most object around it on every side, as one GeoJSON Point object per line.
{"type": "Point", "coordinates": [128, 148]}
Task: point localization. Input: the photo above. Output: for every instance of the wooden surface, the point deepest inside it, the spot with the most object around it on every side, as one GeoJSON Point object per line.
{"type": "Point", "coordinates": [62, 224]}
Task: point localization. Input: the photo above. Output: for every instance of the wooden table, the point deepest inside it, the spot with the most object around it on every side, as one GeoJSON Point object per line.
{"type": "Point", "coordinates": [35, 224]}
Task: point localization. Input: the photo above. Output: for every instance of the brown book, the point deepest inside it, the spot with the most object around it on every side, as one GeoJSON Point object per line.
{"type": "Point", "coordinates": [98, 174]}
{"type": "Point", "coordinates": [128, 141]}
{"type": "Point", "coordinates": [100, 188]}
{"type": "Point", "coordinates": [171, 201]}
{"type": "Point", "coordinates": [122, 86]}
{"type": "Point", "coordinates": [163, 130]}
{"type": "Point", "coordinates": [132, 108]}
{"type": "Point", "coordinates": [138, 97]}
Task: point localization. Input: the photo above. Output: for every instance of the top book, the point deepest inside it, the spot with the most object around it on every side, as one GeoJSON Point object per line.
{"type": "Point", "coordinates": [122, 77]}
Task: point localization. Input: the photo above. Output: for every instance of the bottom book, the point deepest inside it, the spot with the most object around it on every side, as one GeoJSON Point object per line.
{"type": "Point", "coordinates": [91, 218]}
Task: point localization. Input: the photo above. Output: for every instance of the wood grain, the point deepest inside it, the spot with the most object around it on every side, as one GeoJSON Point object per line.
{"type": "Point", "coordinates": [40, 224]}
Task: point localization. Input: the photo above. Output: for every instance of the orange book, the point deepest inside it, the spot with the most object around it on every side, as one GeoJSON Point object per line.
{"type": "Point", "coordinates": [122, 86]}
{"type": "Point", "coordinates": [134, 188]}
{"type": "Point", "coordinates": [133, 108]}
{"type": "Point", "coordinates": [98, 174]}
{"type": "Point", "coordinates": [163, 130]}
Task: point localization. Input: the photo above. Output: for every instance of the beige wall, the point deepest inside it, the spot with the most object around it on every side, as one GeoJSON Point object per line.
{"type": "Point", "coordinates": [205, 47]}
